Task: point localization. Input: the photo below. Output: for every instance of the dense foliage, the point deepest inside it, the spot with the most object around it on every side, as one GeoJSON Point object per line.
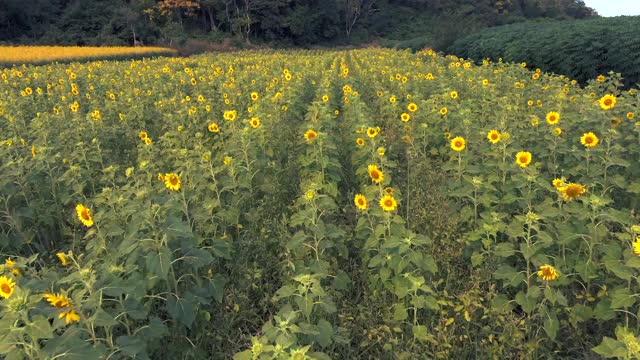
{"type": "Point", "coordinates": [285, 22]}
{"type": "Point", "coordinates": [315, 204]}
{"type": "Point", "coordinates": [581, 50]}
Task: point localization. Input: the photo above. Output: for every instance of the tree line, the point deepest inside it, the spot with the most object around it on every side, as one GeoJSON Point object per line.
{"type": "Point", "coordinates": [289, 22]}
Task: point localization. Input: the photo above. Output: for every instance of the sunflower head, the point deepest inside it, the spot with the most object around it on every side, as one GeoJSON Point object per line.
{"type": "Point", "coordinates": [557, 183]}
{"type": "Point", "coordinates": [310, 135]}
{"type": "Point", "coordinates": [572, 191]}
{"type": "Point", "coordinates": [360, 142]}
{"type": "Point", "coordinates": [444, 111]}
{"type": "Point", "coordinates": [62, 257]}
{"type": "Point", "coordinates": [57, 300]}
{"type": "Point", "coordinates": [607, 102]}
{"type": "Point", "coordinates": [636, 246]}
{"type": "Point", "coordinates": [172, 181]}
{"type": "Point", "coordinates": [388, 203]}
{"type": "Point", "coordinates": [84, 215]}
{"type": "Point", "coordinates": [553, 118]}
{"type": "Point", "coordinates": [405, 117]}
{"type": "Point", "coordinates": [458, 143]}
{"type": "Point", "coordinates": [494, 136]}
{"type": "Point", "coordinates": [254, 122]}
{"type": "Point", "coordinates": [523, 159]}
{"type": "Point", "coordinates": [360, 201]}
{"type": "Point", "coordinates": [6, 287]}
{"type": "Point", "coordinates": [70, 315]}
{"type": "Point", "coordinates": [547, 273]}
{"type": "Point", "coordinates": [143, 135]}
{"type": "Point", "coordinates": [373, 132]}
{"type": "Point", "coordinates": [589, 140]}
{"type": "Point", "coordinates": [412, 107]}
{"type": "Point", "coordinates": [254, 96]}
{"type": "Point", "coordinates": [375, 174]}
{"type": "Point", "coordinates": [557, 131]}
{"type": "Point", "coordinates": [213, 127]}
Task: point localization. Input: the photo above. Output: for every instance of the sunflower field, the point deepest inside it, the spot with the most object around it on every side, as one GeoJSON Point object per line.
{"type": "Point", "coordinates": [10, 55]}
{"type": "Point", "coordinates": [366, 204]}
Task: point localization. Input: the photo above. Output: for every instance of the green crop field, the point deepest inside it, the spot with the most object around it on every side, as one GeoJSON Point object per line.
{"type": "Point", "coordinates": [366, 204]}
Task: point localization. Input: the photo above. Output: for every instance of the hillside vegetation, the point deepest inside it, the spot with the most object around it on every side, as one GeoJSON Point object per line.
{"type": "Point", "coordinates": [582, 50]}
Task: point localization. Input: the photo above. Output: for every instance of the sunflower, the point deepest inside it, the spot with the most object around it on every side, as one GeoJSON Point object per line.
{"type": "Point", "coordinates": [254, 96]}
{"type": "Point", "coordinates": [143, 135]}
{"type": "Point", "coordinates": [406, 139]}
{"type": "Point", "coordinates": [58, 301]}
{"type": "Point", "coordinates": [360, 142]}
{"type": "Point", "coordinates": [388, 203]}
{"type": "Point", "coordinates": [6, 287]}
{"type": "Point", "coordinates": [530, 103]}
{"type": "Point", "coordinates": [325, 98]}
{"type": "Point", "coordinates": [607, 102]}
{"type": "Point", "coordinates": [412, 107]}
{"type": "Point", "coordinates": [558, 183]}
{"type": "Point", "coordinates": [405, 117]}
{"type": "Point", "coordinates": [523, 159]}
{"type": "Point", "coordinates": [148, 141]}
{"type": "Point", "coordinates": [381, 151]}
{"type": "Point", "coordinates": [589, 140]}
{"type": "Point", "coordinates": [373, 132]}
{"type": "Point", "coordinates": [84, 214]}
{"type": "Point", "coordinates": [444, 111]}
{"type": "Point", "coordinates": [572, 191]}
{"type": "Point", "coordinates": [454, 94]}
{"type": "Point", "coordinates": [600, 78]}
{"type": "Point", "coordinates": [458, 143]}
{"type": "Point", "coordinates": [557, 131]}
{"type": "Point", "coordinates": [255, 122]}
{"type": "Point", "coordinates": [388, 191]}
{"type": "Point", "coordinates": [547, 273]}
{"type": "Point", "coordinates": [392, 99]}
{"type": "Point", "coordinates": [213, 127]}
{"type": "Point", "coordinates": [9, 263]}
{"type": "Point", "coordinates": [553, 118]}
{"type": "Point", "coordinates": [360, 201]}
{"type": "Point", "coordinates": [310, 135]}
{"type": "Point", "coordinates": [63, 258]}
{"type": "Point", "coordinates": [69, 316]}
{"type": "Point", "coordinates": [630, 115]}
{"type": "Point", "coordinates": [636, 246]}
{"type": "Point", "coordinates": [485, 82]}
{"type": "Point", "coordinates": [376, 175]}
{"type": "Point", "coordinates": [172, 181]}
{"type": "Point", "coordinates": [493, 136]}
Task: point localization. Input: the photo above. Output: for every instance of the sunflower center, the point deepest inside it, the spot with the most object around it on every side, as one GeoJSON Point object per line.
{"type": "Point", "coordinates": [552, 118]}
{"type": "Point", "coordinates": [85, 214]}
{"type": "Point", "coordinates": [494, 136]}
{"type": "Point", "coordinates": [360, 202]}
{"type": "Point", "coordinates": [173, 180]}
{"type": "Point", "coordinates": [573, 191]}
{"type": "Point", "coordinates": [458, 144]}
{"type": "Point", "coordinates": [588, 140]}
{"type": "Point", "coordinates": [5, 288]}
{"type": "Point", "coordinates": [388, 203]}
{"type": "Point", "coordinates": [523, 159]}
{"type": "Point", "coordinates": [375, 175]}
{"type": "Point", "coordinates": [607, 102]}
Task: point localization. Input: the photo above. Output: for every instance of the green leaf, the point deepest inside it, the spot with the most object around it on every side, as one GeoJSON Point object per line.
{"type": "Point", "coordinates": [131, 345]}
{"type": "Point", "coordinates": [622, 298]}
{"type": "Point", "coordinates": [245, 355]}
{"type": "Point", "coordinates": [158, 263]}
{"type": "Point", "coordinates": [504, 250]}
{"type": "Point", "coordinates": [102, 318]}
{"type": "Point", "coordinates": [399, 312]}
{"type": "Point", "coordinates": [40, 328]}
{"type": "Point", "coordinates": [610, 348]}
{"type": "Point", "coordinates": [551, 326]}
{"type": "Point", "coordinates": [182, 309]}
{"type": "Point", "coordinates": [421, 333]}
{"type": "Point", "coordinates": [326, 333]}
{"type": "Point", "coordinates": [342, 281]}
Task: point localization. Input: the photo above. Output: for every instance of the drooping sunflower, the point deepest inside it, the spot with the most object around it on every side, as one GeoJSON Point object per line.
{"type": "Point", "coordinates": [375, 174]}
{"type": "Point", "coordinates": [412, 107]}
{"type": "Point", "coordinates": [636, 246]}
{"type": "Point", "coordinates": [553, 118]}
{"type": "Point", "coordinates": [6, 287]}
{"type": "Point", "coordinates": [310, 135]}
{"type": "Point", "coordinates": [523, 159]}
{"type": "Point", "coordinates": [69, 316]}
{"type": "Point", "coordinates": [58, 301]}
{"type": "Point", "coordinates": [172, 181]}
{"type": "Point", "coordinates": [84, 214]}
{"type": "Point", "coordinates": [494, 136]}
{"type": "Point", "coordinates": [405, 117]}
{"type": "Point", "coordinates": [360, 201]}
{"type": "Point", "coordinates": [607, 102]}
{"type": "Point", "coordinates": [63, 258]}
{"type": "Point", "coordinates": [255, 122]}
{"type": "Point", "coordinates": [458, 143]}
{"type": "Point", "coordinates": [547, 273]}
{"type": "Point", "coordinates": [572, 191]}
{"type": "Point", "coordinates": [589, 140]}
{"type": "Point", "coordinates": [360, 142]}
{"type": "Point", "coordinates": [388, 203]}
